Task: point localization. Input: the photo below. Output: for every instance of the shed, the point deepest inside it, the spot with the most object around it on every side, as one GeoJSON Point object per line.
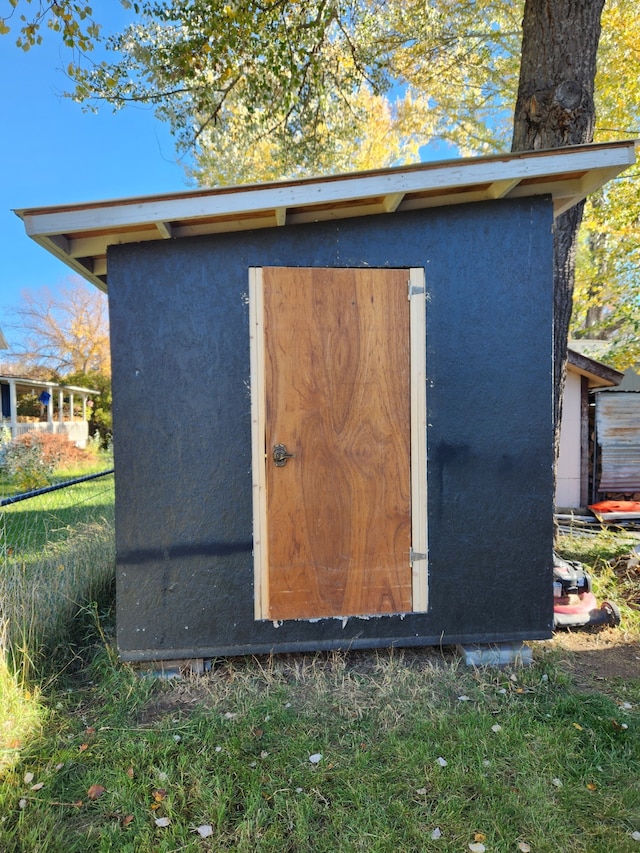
{"type": "Point", "coordinates": [573, 470]}
{"type": "Point", "coordinates": [617, 429]}
{"type": "Point", "coordinates": [315, 447]}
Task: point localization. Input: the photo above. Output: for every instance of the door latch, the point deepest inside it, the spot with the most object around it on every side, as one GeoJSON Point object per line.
{"type": "Point", "coordinates": [280, 455]}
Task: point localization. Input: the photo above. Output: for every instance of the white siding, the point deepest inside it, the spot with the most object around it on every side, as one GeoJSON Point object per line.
{"type": "Point", "coordinates": [569, 458]}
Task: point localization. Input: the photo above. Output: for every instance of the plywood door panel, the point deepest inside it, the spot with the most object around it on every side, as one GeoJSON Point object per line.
{"type": "Point", "coordinates": [337, 394]}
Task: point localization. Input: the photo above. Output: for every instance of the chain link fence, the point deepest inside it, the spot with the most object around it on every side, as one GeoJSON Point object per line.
{"type": "Point", "coordinates": [57, 553]}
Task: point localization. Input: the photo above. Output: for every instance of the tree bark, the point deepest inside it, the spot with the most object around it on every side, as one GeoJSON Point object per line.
{"type": "Point", "coordinates": [555, 108]}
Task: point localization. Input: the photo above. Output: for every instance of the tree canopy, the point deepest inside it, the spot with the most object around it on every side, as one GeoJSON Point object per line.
{"type": "Point", "coordinates": [607, 296]}
{"type": "Point", "coordinates": [71, 19]}
{"type": "Point", "coordinates": [265, 89]}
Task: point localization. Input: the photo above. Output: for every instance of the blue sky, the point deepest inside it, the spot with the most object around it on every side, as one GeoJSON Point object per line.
{"type": "Point", "coordinates": [53, 153]}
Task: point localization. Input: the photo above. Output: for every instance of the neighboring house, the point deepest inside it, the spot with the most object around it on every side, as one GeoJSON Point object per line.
{"type": "Point", "coordinates": [315, 446]}
{"type": "Point", "coordinates": [63, 408]}
{"type": "Point", "coordinates": [617, 428]}
{"type": "Point", "coordinates": [584, 374]}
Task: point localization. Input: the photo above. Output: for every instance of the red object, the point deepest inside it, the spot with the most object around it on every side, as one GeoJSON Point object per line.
{"type": "Point", "coordinates": [615, 506]}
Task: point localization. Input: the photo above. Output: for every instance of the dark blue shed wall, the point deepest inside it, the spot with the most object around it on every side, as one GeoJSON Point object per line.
{"type": "Point", "coordinates": [180, 351]}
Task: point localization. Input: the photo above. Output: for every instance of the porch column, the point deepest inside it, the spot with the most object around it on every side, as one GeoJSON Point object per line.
{"type": "Point", "coordinates": [13, 405]}
{"type": "Point", "coordinates": [60, 407]}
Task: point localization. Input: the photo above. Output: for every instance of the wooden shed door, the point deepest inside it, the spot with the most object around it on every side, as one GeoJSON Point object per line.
{"type": "Point", "coordinates": [333, 421]}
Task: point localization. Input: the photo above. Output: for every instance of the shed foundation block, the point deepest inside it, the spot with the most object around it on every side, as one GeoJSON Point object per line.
{"type": "Point", "coordinates": [496, 654]}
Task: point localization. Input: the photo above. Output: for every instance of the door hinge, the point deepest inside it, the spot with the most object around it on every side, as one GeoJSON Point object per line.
{"type": "Point", "coordinates": [416, 556]}
{"type": "Point", "coordinates": [414, 289]}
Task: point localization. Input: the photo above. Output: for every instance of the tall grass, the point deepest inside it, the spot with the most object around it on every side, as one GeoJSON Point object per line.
{"type": "Point", "coordinates": [57, 554]}
{"type": "Point", "coordinates": [21, 713]}
{"type": "Point", "coordinates": [40, 596]}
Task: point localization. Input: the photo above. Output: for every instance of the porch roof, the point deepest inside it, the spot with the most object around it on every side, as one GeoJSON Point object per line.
{"type": "Point", "coordinates": [24, 385]}
{"type": "Point", "coordinates": [80, 234]}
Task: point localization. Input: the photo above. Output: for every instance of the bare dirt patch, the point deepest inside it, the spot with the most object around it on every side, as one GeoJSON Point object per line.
{"type": "Point", "coordinates": [182, 698]}
{"type": "Point", "coordinates": [596, 658]}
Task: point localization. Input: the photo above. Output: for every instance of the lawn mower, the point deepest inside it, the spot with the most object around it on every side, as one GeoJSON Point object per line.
{"type": "Point", "coordinates": [574, 605]}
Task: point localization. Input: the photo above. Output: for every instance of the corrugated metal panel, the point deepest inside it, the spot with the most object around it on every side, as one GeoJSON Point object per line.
{"type": "Point", "coordinates": [618, 431]}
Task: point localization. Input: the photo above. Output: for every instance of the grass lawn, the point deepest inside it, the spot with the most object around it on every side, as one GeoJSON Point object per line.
{"type": "Point", "coordinates": [28, 526]}
{"type": "Point", "coordinates": [361, 752]}
{"type": "Point", "coordinates": [380, 751]}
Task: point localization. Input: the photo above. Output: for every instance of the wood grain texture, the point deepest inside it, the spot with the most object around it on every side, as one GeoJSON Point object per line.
{"type": "Point", "coordinates": [337, 382]}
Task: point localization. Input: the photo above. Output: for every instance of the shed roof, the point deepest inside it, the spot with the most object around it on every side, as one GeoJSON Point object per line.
{"type": "Point", "coordinates": [630, 382]}
{"type": "Point", "coordinates": [79, 234]}
{"type": "Point", "coordinates": [599, 375]}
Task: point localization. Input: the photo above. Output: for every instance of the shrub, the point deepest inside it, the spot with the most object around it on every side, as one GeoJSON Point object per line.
{"type": "Point", "coordinates": [25, 462]}
{"type": "Point", "coordinates": [62, 452]}
{"type": "Point", "coordinates": [31, 459]}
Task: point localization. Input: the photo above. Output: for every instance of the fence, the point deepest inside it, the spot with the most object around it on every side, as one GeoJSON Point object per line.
{"type": "Point", "coordinates": [57, 552]}
{"type": "Point", "coordinates": [76, 431]}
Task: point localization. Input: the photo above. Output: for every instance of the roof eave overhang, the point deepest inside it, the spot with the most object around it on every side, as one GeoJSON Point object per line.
{"type": "Point", "coordinates": [599, 375]}
{"type": "Point", "coordinates": [80, 234]}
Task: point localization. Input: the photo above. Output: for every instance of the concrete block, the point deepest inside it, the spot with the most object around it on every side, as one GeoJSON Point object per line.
{"type": "Point", "coordinates": [496, 654]}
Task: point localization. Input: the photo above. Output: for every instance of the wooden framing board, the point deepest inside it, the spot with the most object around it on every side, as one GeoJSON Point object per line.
{"type": "Point", "coordinates": [418, 321]}
{"type": "Point", "coordinates": [258, 447]}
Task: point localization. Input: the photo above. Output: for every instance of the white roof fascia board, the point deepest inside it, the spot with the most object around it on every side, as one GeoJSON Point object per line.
{"type": "Point", "coordinates": [242, 200]}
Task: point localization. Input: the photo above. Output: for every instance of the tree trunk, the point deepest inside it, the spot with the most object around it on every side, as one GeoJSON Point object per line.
{"type": "Point", "coordinates": [554, 108]}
